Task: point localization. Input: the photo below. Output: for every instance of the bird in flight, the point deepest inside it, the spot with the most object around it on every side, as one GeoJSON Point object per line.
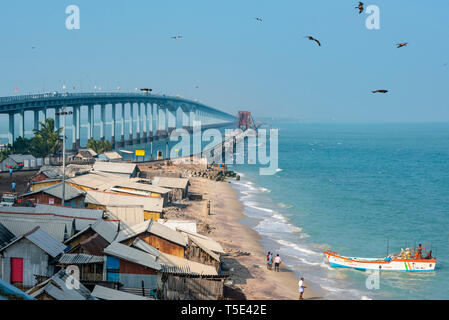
{"type": "Point", "coordinates": [403, 44]}
{"type": "Point", "coordinates": [313, 39]}
{"type": "Point", "coordinates": [380, 91]}
{"type": "Point", "coordinates": [258, 19]}
{"type": "Point", "coordinates": [360, 7]}
{"type": "Point", "coordinates": [176, 37]}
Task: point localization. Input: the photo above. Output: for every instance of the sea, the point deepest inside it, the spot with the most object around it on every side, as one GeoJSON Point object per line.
{"type": "Point", "coordinates": [360, 190]}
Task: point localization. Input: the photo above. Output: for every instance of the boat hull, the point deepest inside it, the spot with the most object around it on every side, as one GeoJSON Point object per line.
{"type": "Point", "coordinates": [408, 265]}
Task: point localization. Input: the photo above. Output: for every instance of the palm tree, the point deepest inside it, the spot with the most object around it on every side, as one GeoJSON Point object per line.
{"type": "Point", "coordinates": [47, 140]}
{"type": "Point", "coordinates": [99, 146]}
{"type": "Point", "coordinates": [5, 152]}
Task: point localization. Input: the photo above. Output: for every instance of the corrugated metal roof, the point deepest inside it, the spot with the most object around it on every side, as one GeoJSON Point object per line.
{"type": "Point", "coordinates": [129, 215]}
{"type": "Point", "coordinates": [6, 236]}
{"type": "Point", "coordinates": [181, 225]}
{"type": "Point", "coordinates": [21, 226]}
{"type": "Point", "coordinates": [174, 264]}
{"type": "Point", "coordinates": [107, 229]}
{"type": "Point", "coordinates": [104, 293]}
{"type": "Point", "coordinates": [166, 182]}
{"type": "Point", "coordinates": [142, 245]}
{"type": "Point", "coordinates": [133, 255]}
{"type": "Point", "coordinates": [56, 191]}
{"type": "Point", "coordinates": [21, 157]}
{"type": "Point", "coordinates": [111, 199]}
{"type": "Point", "coordinates": [46, 242]}
{"type": "Point", "coordinates": [42, 240]}
{"type": "Point", "coordinates": [57, 288]}
{"type": "Point", "coordinates": [153, 228]}
{"type": "Point", "coordinates": [94, 245]}
{"type": "Point", "coordinates": [113, 155]}
{"type": "Point", "coordinates": [205, 241]}
{"type": "Point", "coordinates": [115, 167]}
{"type": "Point", "coordinates": [83, 217]}
{"type": "Point", "coordinates": [80, 258]}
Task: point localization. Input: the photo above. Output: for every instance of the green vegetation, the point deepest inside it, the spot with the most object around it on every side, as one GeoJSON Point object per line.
{"type": "Point", "coordinates": [46, 141]}
{"type": "Point", "coordinates": [99, 146]}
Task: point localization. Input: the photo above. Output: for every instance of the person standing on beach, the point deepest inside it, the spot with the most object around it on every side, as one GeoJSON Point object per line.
{"type": "Point", "coordinates": [268, 260]}
{"type": "Point", "coordinates": [301, 288]}
{"type": "Point", "coordinates": [13, 186]}
{"type": "Point", "coordinates": [277, 262]}
{"type": "Point", "coordinates": [10, 173]}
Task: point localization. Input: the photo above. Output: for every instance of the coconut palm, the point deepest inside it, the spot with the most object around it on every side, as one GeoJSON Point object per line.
{"type": "Point", "coordinates": [99, 146]}
{"type": "Point", "coordinates": [47, 140]}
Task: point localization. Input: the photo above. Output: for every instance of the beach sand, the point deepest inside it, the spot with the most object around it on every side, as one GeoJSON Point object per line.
{"type": "Point", "coordinates": [248, 272]}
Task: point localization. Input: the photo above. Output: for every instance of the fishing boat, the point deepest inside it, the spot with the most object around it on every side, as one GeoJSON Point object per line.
{"type": "Point", "coordinates": [406, 260]}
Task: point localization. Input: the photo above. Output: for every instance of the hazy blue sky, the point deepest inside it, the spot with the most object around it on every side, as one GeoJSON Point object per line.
{"type": "Point", "coordinates": [237, 62]}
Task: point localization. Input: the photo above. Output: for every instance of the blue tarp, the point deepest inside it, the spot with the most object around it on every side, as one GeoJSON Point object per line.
{"type": "Point", "coordinates": [9, 292]}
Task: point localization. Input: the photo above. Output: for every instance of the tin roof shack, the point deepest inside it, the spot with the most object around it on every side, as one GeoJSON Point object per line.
{"type": "Point", "coordinates": [157, 235]}
{"type": "Point", "coordinates": [52, 195]}
{"type": "Point", "coordinates": [60, 229]}
{"type": "Point", "coordinates": [18, 161]}
{"type": "Point", "coordinates": [152, 207]}
{"type": "Point", "coordinates": [91, 268]}
{"type": "Point", "coordinates": [29, 256]}
{"type": "Point", "coordinates": [204, 250]}
{"type": "Point", "coordinates": [183, 279]}
{"type": "Point", "coordinates": [6, 236]}
{"type": "Point", "coordinates": [129, 215]}
{"type": "Point", "coordinates": [134, 269]}
{"type": "Point", "coordinates": [112, 156]}
{"type": "Point", "coordinates": [94, 238]}
{"type": "Point", "coordinates": [122, 169]}
{"type": "Point", "coordinates": [179, 186]}
{"type": "Point", "coordinates": [86, 155]}
{"type": "Point", "coordinates": [57, 288]}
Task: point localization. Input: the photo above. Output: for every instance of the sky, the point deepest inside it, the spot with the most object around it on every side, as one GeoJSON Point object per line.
{"type": "Point", "coordinates": [229, 60]}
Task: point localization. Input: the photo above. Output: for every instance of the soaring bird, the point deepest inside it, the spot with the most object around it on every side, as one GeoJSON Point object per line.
{"type": "Point", "coordinates": [258, 19]}
{"type": "Point", "coordinates": [380, 91]}
{"type": "Point", "coordinates": [313, 39]}
{"type": "Point", "coordinates": [360, 7]}
{"type": "Point", "coordinates": [403, 44]}
{"type": "Point", "coordinates": [176, 37]}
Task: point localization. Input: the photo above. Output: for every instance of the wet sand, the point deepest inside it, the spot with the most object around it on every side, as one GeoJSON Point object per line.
{"type": "Point", "coordinates": [248, 272]}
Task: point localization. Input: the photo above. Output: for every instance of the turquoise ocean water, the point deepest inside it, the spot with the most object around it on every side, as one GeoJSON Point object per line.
{"type": "Point", "coordinates": [353, 188]}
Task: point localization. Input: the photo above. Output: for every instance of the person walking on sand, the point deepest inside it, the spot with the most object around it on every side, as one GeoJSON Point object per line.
{"type": "Point", "coordinates": [301, 288]}
{"type": "Point", "coordinates": [277, 262]}
{"type": "Point", "coordinates": [270, 261]}
{"type": "Point", "coordinates": [10, 173]}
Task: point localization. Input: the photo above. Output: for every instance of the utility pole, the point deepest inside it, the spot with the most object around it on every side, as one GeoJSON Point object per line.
{"type": "Point", "coordinates": [63, 112]}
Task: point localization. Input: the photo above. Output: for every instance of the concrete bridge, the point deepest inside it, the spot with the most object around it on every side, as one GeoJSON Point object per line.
{"type": "Point", "coordinates": [157, 115]}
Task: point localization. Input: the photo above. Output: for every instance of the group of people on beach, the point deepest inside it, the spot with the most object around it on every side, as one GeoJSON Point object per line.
{"type": "Point", "coordinates": [277, 261]}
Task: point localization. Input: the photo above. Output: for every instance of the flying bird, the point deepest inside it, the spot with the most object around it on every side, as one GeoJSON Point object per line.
{"type": "Point", "coordinates": [258, 19]}
{"type": "Point", "coordinates": [360, 7]}
{"type": "Point", "coordinates": [176, 37]}
{"type": "Point", "coordinates": [380, 91]}
{"type": "Point", "coordinates": [313, 39]}
{"type": "Point", "coordinates": [403, 44]}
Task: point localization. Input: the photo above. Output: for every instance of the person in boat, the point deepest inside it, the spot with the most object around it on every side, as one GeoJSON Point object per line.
{"type": "Point", "coordinates": [429, 255]}
{"type": "Point", "coordinates": [418, 254]}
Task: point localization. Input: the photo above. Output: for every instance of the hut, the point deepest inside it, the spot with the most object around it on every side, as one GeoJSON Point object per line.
{"type": "Point", "coordinates": [53, 195]}
{"type": "Point", "coordinates": [179, 186]}
{"type": "Point", "coordinates": [152, 207]}
{"type": "Point", "coordinates": [29, 256]}
{"type": "Point", "coordinates": [91, 267]}
{"type": "Point", "coordinates": [157, 235]}
{"type": "Point", "coordinates": [134, 269]}
{"type": "Point", "coordinates": [122, 169]}
{"type": "Point", "coordinates": [18, 161]}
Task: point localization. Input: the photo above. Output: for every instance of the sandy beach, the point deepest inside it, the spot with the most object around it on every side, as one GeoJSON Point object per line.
{"type": "Point", "coordinates": [245, 255]}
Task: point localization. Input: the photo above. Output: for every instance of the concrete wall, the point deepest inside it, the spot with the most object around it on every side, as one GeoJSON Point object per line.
{"type": "Point", "coordinates": [35, 262]}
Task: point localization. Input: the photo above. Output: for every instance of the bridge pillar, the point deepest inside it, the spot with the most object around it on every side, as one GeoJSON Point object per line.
{"type": "Point", "coordinates": [122, 127]}
{"type": "Point", "coordinates": [102, 122]}
{"type": "Point", "coordinates": [22, 123]}
{"type": "Point", "coordinates": [76, 127]}
{"type": "Point", "coordinates": [11, 128]}
{"type": "Point", "coordinates": [90, 121]}
{"type": "Point", "coordinates": [36, 119]}
{"type": "Point", "coordinates": [57, 118]}
{"type": "Point", "coordinates": [131, 124]}
{"type": "Point", "coordinates": [170, 120]}
{"type": "Point", "coordinates": [114, 124]}
{"type": "Point", "coordinates": [43, 113]}
{"type": "Point", "coordinates": [139, 122]}
{"type": "Point", "coordinates": [144, 137]}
